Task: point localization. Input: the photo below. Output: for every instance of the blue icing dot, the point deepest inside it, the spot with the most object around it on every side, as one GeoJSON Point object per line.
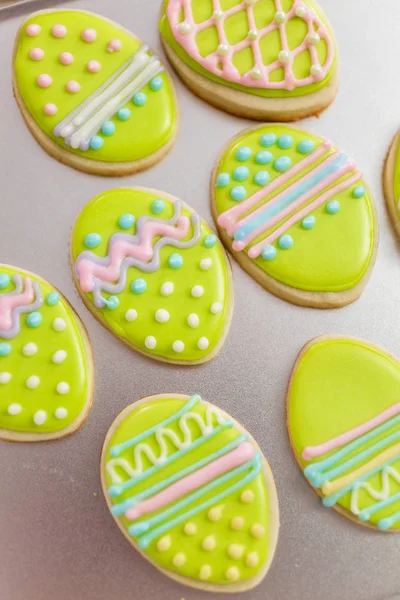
{"type": "Point", "coordinates": [96, 142]}
{"type": "Point", "coordinates": [333, 207]}
{"type": "Point", "coordinates": [243, 153]}
{"type": "Point", "coordinates": [4, 281]}
{"type": "Point", "coordinates": [285, 142]}
{"type": "Point", "coordinates": [241, 173]}
{"type": "Point", "coordinates": [283, 163]}
{"type": "Point", "coordinates": [5, 349]}
{"type": "Point", "coordinates": [53, 298]}
{"type": "Point", "coordinates": [108, 128]}
{"type": "Point", "coordinates": [267, 140]}
{"type": "Point", "coordinates": [308, 222]}
{"type": "Point", "coordinates": [210, 240]}
{"type": "Point", "coordinates": [157, 207]}
{"type": "Point", "coordinates": [261, 178]}
{"type": "Point", "coordinates": [138, 286]}
{"type": "Point", "coordinates": [156, 84]}
{"type": "Point", "coordinates": [175, 261]}
{"type": "Point", "coordinates": [305, 147]}
{"type": "Point", "coordinates": [238, 193]}
{"type": "Point", "coordinates": [126, 221]}
{"type": "Point", "coordinates": [112, 303]}
{"type": "Point", "coordinates": [264, 157]}
{"type": "Point", "coordinates": [359, 191]}
{"type": "Point", "coordinates": [34, 319]}
{"type": "Point", "coordinates": [269, 252]}
{"type": "Point", "coordinates": [124, 114]}
{"type": "Point", "coordinates": [285, 241]}
{"type": "Point", "coordinates": [223, 179]}
{"type": "Point", "coordinates": [92, 240]}
{"type": "Point", "coordinates": [139, 99]}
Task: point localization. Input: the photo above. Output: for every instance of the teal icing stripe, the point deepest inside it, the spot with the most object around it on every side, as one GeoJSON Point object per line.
{"type": "Point", "coordinates": [366, 513]}
{"type": "Point", "coordinates": [118, 489]}
{"type": "Point", "coordinates": [117, 450]}
{"type": "Point", "coordinates": [145, 540]}
{"type": "Point", "coordinates": [388, 521]}
{"type": "Point", "coordinates": [119, 509]}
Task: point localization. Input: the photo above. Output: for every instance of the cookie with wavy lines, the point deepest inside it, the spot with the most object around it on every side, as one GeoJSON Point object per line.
{"type": "Point", "coordinates": [192, 492]}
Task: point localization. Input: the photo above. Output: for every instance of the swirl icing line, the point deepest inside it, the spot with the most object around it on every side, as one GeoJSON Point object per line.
{"type": "Point", "coordinates": [25, 298]}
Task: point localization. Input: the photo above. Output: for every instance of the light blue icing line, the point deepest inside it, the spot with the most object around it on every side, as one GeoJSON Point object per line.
{"type": "Point", "coordinates": [119, 448]}
{"type": "Point", "coordinates": [306, 185]}
{"type": "Point", "coordinates": [121, 507]}
{"type": "Point", "coordinates": [116, 490]}
{"type": "Point", "coordinates": [365, 514]}
{"type": "Point", "coordinates": [388, 521]}
{"type": "Point", "coordinates": [145, 540]}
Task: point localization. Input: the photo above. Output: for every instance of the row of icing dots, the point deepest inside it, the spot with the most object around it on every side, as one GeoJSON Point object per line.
{"type": "Point", "coordinates": [59, 31]}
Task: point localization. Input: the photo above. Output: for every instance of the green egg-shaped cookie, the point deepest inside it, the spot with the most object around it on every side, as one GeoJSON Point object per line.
{"type": "Point", "coordinates": [46, 364]}
{"type": "Point", "coordinates": [153, 272]}
{"type": "Point", "coordinates": [391, 183]}
{"type": "Point", "coordinates": [191, 490]}
{"type": "Point", "coordinates": [343, 417]}
{"type": "Point", "coordinates": [296, 213]}
{"type": "Point", "coordinates": [93, 95]}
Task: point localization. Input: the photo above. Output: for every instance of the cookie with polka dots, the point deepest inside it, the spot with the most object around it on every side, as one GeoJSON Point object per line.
{"type": "Point", "coordinates": [297, 214]}
{"type": "Point", "coordinates": [191, 490]}
{"type": "Point", "coordinates": [46, 364]}
{"type": "Point", "coordinates": [271, 60]}
{"type": "Point", "coordinates": [391, 182]}
{"type": "Point", "coordinates": [153, 272]}
{"type": "Point", "coordinates": [93, 95]}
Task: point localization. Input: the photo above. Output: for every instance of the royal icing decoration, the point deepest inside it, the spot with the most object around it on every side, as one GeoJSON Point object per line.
{"type": "Point", "coordinates": [39, 361]}
{"type": "Point", "coordinates": [191, 489]}
{"type": "Point", "coordinates": [142, 263]}
{"type": "Point", "coordinates": [349, 444]}
{"type": "Point", "coordinates": [301, 208]}
{"type": "Point", "coordinates": [391, 182]}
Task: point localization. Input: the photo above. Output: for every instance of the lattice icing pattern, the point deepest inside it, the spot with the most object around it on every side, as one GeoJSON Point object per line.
{"type": "Point", "coordinates": [186, 31]}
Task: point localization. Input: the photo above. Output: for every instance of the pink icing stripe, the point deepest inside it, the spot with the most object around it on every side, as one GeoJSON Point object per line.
{"type": "Point", "coordinates": [192, 482]}
{"type": "Point", "coordinates": [228, 218]}
{"type": "Point", "coordinates": [89, 270]}
{"type": "Point", "coordinates": [9, 302]}
{"type": "Point", "coordinates": [341, 440]}
{"type": "Point", "coordinates": [255, 251]}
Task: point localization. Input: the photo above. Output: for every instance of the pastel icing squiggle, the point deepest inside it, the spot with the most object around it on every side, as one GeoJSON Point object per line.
{"type": "Point", "coordinates": [17, 302]}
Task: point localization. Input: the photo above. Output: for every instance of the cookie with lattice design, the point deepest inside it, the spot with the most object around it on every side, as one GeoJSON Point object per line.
{"type": "Point", "coordinates": [260, 59]}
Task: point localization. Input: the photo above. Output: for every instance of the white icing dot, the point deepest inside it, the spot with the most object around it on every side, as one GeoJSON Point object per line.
{"type": "Point", "coordinates": [150, 342]}
{"type": "Point", "coordinates": [252, 34]}
{"type": "Point", "coordinates": [301, 11]}
{"type": "Point", "coordinates": [167, 288]}
{"type": "Point", "coordinates": [205, 572]}
{"type": "Point", "coordinates": [257, 530]}
{"type": "Point", "coordinates": [284, 56]}
{"type": "Point", "coordinates": [203, 343]}
{"type": "Point", "coordinates": [29, 349]}
{"type": "Point", "coordinates": [218, 14]}
{"type": "Point", "coordinates": [179, 559]}
{"type": "Point", "coordinates": [235, 551]}
{"type": "Point", "coordinates": [59, 357]}
{"type": "Point", "coordinates": [5, 377]}
{"type": "Point", "coordinates": [216, 307]}
{"type": "Point", "coordinates": [256, 73]}
{"type": "Point", "coordinates": [209, 543]}
{"type": "Point", "coordinates": [60, 412]}
{"type": "Point", "coordinates": [178, 346]}
{"type": "Point", "coordinates": [59, 324]}
{"type": "Point", "coordinates": [232, 573]}
{"type": "Point", "coordinates": [280, 17]}
{"type": "Point", "coordinates": [193, 320]}
{"type": "Point", "coordinates": [164, 543]}
{"type": "Point", "coordinates": [314, 38]}
{"type": "Point", "coordinates": [197, 291]}
{"type": "Point", "coordinates": [206, 264]}
{"type": "Point", "coordinates": [252, 559]}
{"type": "Point", "coordinates": [32, 382]}
{"type": "Point", "coordinates": [14, 409]}
{"type": "Point", "coordinates": [40, 417]}
{"type": "Point", "coordinates": [237, 523]}
{"type": "Point", "coordinates": [316, 70]}
{"type": "Point", "coordinates": [162, 315]}
{"type": "Point", "coordinates": [62, 387]}
{"type": "Point", "coordinates": [185, 28]}
{"type": "Point", "coordinates": [131, 314]}
{"type": "Point", "coordinates": [190, 528]}
{"type": "Point", "coordinates": [223, 49]}
{"type": "Point", "coordinates": [247, 496]}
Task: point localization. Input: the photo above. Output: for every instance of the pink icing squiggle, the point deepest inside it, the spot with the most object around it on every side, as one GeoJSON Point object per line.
{"type": "Point", "coordinates": [192, 482]}
{"type": "Point", "coordinates": [9, 302]}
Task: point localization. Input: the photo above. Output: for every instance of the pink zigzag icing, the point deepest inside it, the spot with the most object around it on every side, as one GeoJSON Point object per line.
{"type": "Point", "coordinates": [9, 302]}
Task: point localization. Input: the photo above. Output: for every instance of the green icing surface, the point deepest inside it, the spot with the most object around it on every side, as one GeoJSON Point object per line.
{"type": "Point", "coordinates": [335, 254]}
{"type": "Point", "coordinates": [101, 216]}
{"type": "Point", "coordinates": [74, 370]}
{"type": "Point", "coordinates": [256, 512]}
{"type": "Point", "coordinates": [338, 385]}
{"type": "Point", "coordinates": [236, 28]}
{"type": "Point", "coordinates": [150, 126]}
{"type": "Point", "coordinates": [396, 180]}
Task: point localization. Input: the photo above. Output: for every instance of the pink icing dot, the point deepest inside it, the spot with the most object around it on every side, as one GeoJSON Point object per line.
{"type": "Point", "coordinates": [59, 31]}
{"type": "Point", "coordinates": [66, 58]}
{"type": "Point", "coordinates": [93, 66]}
{"type": "Point", "coordinates": [50, 109]}
{"type": "Point", "coordinates": [73, 87]}
{"type": "Point", "coordinates": [32, 30]}
{"type": "Point", "coordinates": [36, 54]}
{"type": "Point", "coordinates": [114, 45]}
{"type": "Point", "coordinates": [44, 80]}
{"type": "Point", "coordinates": [89, 35]}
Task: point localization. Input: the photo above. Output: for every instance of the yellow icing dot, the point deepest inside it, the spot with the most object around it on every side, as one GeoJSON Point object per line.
{"type": "Point", "coordinates": [179, 559]}
{"type": "Point", "coordinates": [257, 530]}
{"type": "Point", "coordinates": [190, 528]}
{"type": "Point", "coordinates": [232, 573]}
{"type": "Point", "coordinates": [215, 513]}
{"type": "Point", "coordinates": [237, 523]}
{"type": "Point", "coordinates": [252, 559]}
{"type": "Point", "coordinates": [247, 496]}
{"type": "Point", "coordinates": [164, 543]}
{"type": "Point", "coordinates": [205, 572]}
{"type": "Point", "coordinates": [209, 543]}
{"type": "Point", "coordinates": [235, 551]}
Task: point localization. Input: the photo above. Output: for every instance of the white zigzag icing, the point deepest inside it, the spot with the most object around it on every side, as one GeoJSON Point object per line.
{"type": "Point", "coordinates": [384, 494]}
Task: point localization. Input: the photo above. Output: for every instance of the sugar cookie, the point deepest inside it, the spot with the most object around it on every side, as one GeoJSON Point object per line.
{"type": "Point", "coordinates": [391, 182]}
